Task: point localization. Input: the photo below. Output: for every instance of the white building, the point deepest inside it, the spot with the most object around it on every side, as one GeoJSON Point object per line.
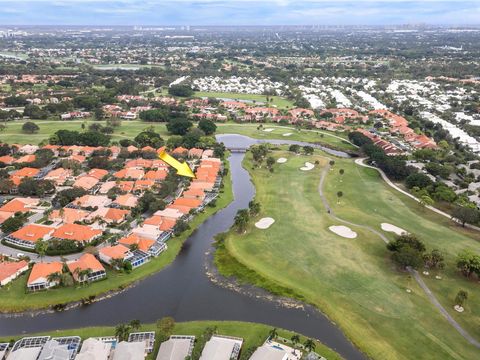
{"type": "Point", "coordinates": [221, 348]}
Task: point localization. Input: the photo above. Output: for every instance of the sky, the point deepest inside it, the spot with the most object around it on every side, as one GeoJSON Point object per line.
{"type": "Point", "coordinates": [238, 12]}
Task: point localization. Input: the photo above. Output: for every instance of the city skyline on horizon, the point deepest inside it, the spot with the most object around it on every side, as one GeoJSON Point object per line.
{"type": "Point", "coordinates": [238, 13]}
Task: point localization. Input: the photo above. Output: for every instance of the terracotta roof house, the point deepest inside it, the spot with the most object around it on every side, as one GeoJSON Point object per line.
{"type": "Point", "coordinates": [132, 148]}
{"type": "Point", "coordinates": [299, 113]}
{"type": "Point", "coordinates": [20, 205]}
{"type": "Point", "coordinates": [86, 268]}
{"type": "Point", "coordinates": [207, 154]}
{"type": "Point", "coordinates": [195, 153]}
{"type": "Point", "coordinates": [26, 159]}
{"type": "Point", "coordinates": [28, 235]}
{"type": "Point", "coordinates": [80, 233]}
{"type": "Point", "coordinates": [169, 213]}
{"type": "Point", "coordinates": [92, 201]}
{"type": "Point", "coordinates": [142, 185]}
{"type": "Point", "coordinates": [139, 163]}
{"type": "Point", "coordinates": [109, 215]}
{"type": "Point", "coordinates": [163, 223]}
{"type": "Point", "coordinates": [7, 159]}
{"type": "Point", "coordinates": [127, 200]}
{"type": "Point", "coordinates": [26, 172]}
{"type": "Point", "coordinates": [194, 194]}
{"type": "Point", "coordinates": [59, 176]}
{"type": "Point", "coordinates": [191, 203]}
{"type": "Point", "coordinates": [77, 158]}
{"type": "Point", "coordinates": [143, 244]}
{"type": "Point", "coordinates": [39, 276]}
{"type": "Point", "coordinates": [156, 175]}
{"type": "Point", "coordinates": [86, 182]}
{"type": "Point", "coordinates": [147, 231]}
{"type": "Point", "coordinates": [106, 186]}
{"type": "Point", "coordinates": [126, 186]}
{"type": "Point", "coordinates": [108, 253]}
{"type": "Point", "coordinates": [98, 173]}
{"type": "Point", "coordinates": [68, 215]}
{"type": "Point", "coordinates": [181, 151]}
{"type": "Point", "coordinates": [10, 270]}
{"type": "Point", "coordinates": [130, 173]}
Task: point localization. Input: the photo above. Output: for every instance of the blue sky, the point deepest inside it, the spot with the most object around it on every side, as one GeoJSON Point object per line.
{"type": "Point", "coordinates": [237, 12]}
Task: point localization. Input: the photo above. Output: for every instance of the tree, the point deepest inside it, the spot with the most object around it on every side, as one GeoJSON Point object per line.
{"type": "Point", "coordinates": [241, 220]}
{"type": "Point", "coordinates": [309, 345]}
{"type": "Point", "coordinates": [192, 138]}
{"type": "Point", "coordinates": [331, 162]}
{"type": "Point", "coordinates": [339, 195]}
{"type": "Point", "coordinates": [254, 208]}
{"type": "Point", "coordinates": [341, 172]}
{"type": "Point", "coordinates": [135, 324]}
{"type": "Point", "coordinates": [99, 113]}
{"type": "Point", "coordinates": [122, 331]}
{"type": "Point", "coordinates": [461, 297]}
{"type": "Point", "coordinates": [465, 215]}
{"type": "Point", "coordinates": [180, 90]}
{"type": "Point", "coordinates": [468, 263]}
{"type": "Point", "coordinates": [165, 326]}
{"type": "Point", "coordinates": [273, 333]}
{"type": "Point", "coordinates": [270, 162]}
{"type": "Point", "coordinates": [295, 339]}
{"type": "Point", "coordinates": [308, 150]}
{"type": "Point", "coordinates": [294, 148]}
{"type": "Point", "coordinates": [179, 126]}
{"type": "Point", "coordinates": [13, 223]}
{"type": "Point", "coordinates": [407, 250]}
{"type": "Point", "coordinates": [30, 127]}
{"type": "Point", "coordinates": [149, 138]}
{"type": "Point", "coordinates": [55, 277]}
{"type": "Point", "coordinates": [434, 260]}
{"type": "Point", "coordinates": [426, 200]}
{"type": "Point", "coordinates": [41, 248]}
{"type": "Point", "coordinates": [207, 126]}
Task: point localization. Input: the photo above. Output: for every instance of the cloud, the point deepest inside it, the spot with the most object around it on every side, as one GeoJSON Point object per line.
{"type": "Point", "coordinates": [237, 12]}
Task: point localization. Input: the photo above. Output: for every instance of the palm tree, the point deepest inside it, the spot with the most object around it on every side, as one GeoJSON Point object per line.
{"type": "Point", "coordinates": [339, 195]}
{"type": "Point", "coordinates": [117, 263]}
{"type": "Point", "coordinates": [133, 247]}
{"type": "Point", "coordinates": [341, 172]}
{"type": "Point", "coordinates": [55, 277]}
{"type": "Point", "coordinates": [122, 331]}
{"type": "Point", "coordinates": [309, 345]}
{"type": "Point", "coordinates": [295, 339]}
{"type": "Point", "coordinates": [41, 248]}
{"type": "Point", "coordinates": [135, 324]}
{"type": "Point", "coordinates": [272, 334]}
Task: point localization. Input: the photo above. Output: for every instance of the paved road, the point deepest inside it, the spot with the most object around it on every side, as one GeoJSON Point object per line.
{"type": "Point", "coordinates": [415, 274]}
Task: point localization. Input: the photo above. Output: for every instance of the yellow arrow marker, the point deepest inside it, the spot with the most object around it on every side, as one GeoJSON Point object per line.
{"type": "Point", "coordinates": [182, 168]}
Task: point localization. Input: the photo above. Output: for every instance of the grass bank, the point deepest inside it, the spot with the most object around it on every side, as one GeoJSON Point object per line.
{"type": "Point", "coordinates": [351, 280]}
{"type": "Point", "coordinates": [15, 298]}
{"type": "Point", "coordinates": [254, 334]}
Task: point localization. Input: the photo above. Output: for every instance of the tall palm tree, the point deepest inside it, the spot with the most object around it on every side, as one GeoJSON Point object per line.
{"type": "Point", "coordinates": [272, 334]}
{"type": "Point", "coordinates": [295, 339]}
{"type": "Point", "coordinates": [309, 345]}
{"type": "Point", "coordinates": [135, 324]}
{"type": "Point", "coordinates": [122, 331]}
{"type": "Point", "coordinates": [54, 277]}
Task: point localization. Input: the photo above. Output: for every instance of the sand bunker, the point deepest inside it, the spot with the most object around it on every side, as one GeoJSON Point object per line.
{"type": "Point", "coordinates": [392, 228]}
{"type": "Point", "coordinates": [282, 160]}
{"type": "Point", "coordinates": [264, 223]}
{"type": "Point", "coordinates": [268, 130]}
{"type": "Point", "coordinates": [308, 166]}
{"type": "Point", "coordinates": [459, 308]}
{"type": "Point", "coordinates": [343, 231]}
{"type": "Point", "coordinates": [287, 134]}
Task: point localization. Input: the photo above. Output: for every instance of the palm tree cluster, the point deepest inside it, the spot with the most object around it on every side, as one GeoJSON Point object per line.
{"type": "Point", "coordinates": [122, 331]}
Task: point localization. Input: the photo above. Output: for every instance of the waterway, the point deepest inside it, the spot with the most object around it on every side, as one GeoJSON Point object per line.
{"type": "Point", "coordinates": [183, 289]}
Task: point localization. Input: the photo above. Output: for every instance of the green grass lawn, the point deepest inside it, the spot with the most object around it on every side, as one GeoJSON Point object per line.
{"type": "Point", "coordinates": [129, 129]}
{"type": "Point", "coordinates": [352, 280]}
{"type": "Point", "coordinates": [327, 138]}
{"type": "Point", "coordinates": [14, 298]}
{"type": "Point", "coordinates": [278, 101]}
{"type": "Point", "coordinates": [253, 334]}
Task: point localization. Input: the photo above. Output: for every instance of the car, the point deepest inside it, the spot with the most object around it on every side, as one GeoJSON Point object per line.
{"type": "Point", "coordinates": [20, 255]}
